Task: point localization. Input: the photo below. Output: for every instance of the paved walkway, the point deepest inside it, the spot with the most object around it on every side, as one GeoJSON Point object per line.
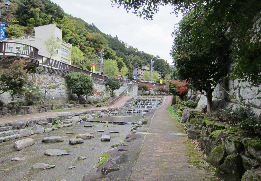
{"type": "Point", "coordinates": [35, 115]}
{"type": "Point", "coordinates": [164, 157]}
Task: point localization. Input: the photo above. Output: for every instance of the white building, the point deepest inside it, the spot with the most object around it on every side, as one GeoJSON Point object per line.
{"type": "Point", "coordinates": [42, 33]}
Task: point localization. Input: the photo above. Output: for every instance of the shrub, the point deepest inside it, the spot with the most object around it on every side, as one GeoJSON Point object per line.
{"type": "Point", "coordinates": [242, 116]}
{"type": "Point", "coordinates": [189, 103]}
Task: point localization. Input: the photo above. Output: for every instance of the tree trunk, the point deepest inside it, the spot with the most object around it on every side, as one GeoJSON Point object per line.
{"type": "Point", "coordinates": [209, 98]}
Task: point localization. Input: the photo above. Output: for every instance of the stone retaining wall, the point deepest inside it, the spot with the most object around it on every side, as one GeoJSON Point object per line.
{"type": "Point", "coordinates": [234, 156]}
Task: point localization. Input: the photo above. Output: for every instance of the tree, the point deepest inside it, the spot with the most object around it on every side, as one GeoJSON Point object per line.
{"type": "Point", "coordinates": [178, 88]}
{"type": "Point", "coordinates": [201, 53]}
{"type": "Point", "coordinates": [124, 71]}
{"type": "Point", "coordinates": [143, 87]}
{"type": "Point", "coordinates": [52, 44]}
{"type": "Point", "coordinates": [77, 56]}
{"type": "Point", "coordinates": [14, 79]}
{"type": "Point", "coordinates": [110, 67]}
{"type": "Point", "coordinates": [113, 83]}
{"type": "Point", "coordinates": [79, 83]}
{"type": "Point", "coordinates": [242, 19]}
{"type": "Point", "coordinates": [146, 75]}
{"type": "Point", "coordinates": [155, 75]}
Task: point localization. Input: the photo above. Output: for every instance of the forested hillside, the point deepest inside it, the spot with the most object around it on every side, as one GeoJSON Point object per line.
{"type": "Point", "coordinates": [88, 41]}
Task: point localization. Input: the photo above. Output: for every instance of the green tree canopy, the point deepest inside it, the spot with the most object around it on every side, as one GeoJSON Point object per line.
{"type": "Point", "coordinates": [124, 71]}
{"type": "Point", "coordinates": [155, 75]}
{"type": "Point", "coordinates": [79, 83]}
{"type": "Point", "coordinates": [52, 44]}
{"type": "Point", "coordinates": [146, 75]}
{"type": "Point", "coordinates": [113, 83]}
{"type": "Point", "coordinates": [242, 19]}
{"type": "Point", "coordinates": [111, 67]}
{"type": "Point", "coordinates": [14, 79]}
{"type": "Point", "coordinates": [77, 56]}
{"type": "Point", "coordinates": [201, 53]}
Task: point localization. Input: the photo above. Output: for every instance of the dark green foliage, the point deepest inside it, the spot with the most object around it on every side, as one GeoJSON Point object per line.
{"type": "Point", "coordinates": [79, 83]}
{"type": "Point", "coordinates": [14, 79]}
{"type": "Point", "coordinates": [32, 96]}
{"type": "Point", "coordinates": [113, 83]}
{"type": "Point", "coordinates": [242, 116]}
{"type": "Point", "coordinates": [201, 52]}
{"type": "Point", "coordinates": [189, 103]}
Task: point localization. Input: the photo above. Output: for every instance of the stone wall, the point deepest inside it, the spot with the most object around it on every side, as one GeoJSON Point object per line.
{"type": "Point", "coordinates": [234, 93]}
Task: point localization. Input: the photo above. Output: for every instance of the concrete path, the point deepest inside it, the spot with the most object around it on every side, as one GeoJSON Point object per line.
{"type": "Point", "coordinates": [164, 157]}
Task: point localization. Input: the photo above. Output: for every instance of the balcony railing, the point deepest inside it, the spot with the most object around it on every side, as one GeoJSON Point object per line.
{"type": "Point", "coordinates": [18, 50]}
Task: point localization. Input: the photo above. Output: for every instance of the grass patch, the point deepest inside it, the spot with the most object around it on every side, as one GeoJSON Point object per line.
{"type": "Point", "coordinates": [58, 110]}
{"type": "Point", "coordinates": [103, 158]}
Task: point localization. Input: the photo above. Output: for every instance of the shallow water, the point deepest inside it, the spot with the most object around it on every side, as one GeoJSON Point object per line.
{"type": "Point", "coordinates": [91, 149]}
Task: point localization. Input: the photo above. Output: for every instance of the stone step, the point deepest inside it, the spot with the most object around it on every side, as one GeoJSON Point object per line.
{"type": "Point", "coordinates": [8, 133]}
{"type": "Point", "coordinates": [5, 128]}
{"type": "Point", "coordinates": [8, 138]}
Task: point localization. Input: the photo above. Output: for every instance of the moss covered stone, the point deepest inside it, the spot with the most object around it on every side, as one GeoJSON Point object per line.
{"type": "Point", "coordinates": [217, 155]}
{"type": "Point", "coordinates": [255, 144]}
{"type": "Point", "coordinates": [231, 169]}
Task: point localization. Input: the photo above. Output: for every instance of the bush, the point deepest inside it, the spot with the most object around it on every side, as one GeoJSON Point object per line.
{"type": "Point", "coordinates": [189, 103]}
{"type": "Point", "coordinates": [242, 117]}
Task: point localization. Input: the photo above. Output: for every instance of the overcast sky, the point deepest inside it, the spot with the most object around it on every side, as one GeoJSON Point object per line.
{"type": "Point", "coordinates": [151, 36]}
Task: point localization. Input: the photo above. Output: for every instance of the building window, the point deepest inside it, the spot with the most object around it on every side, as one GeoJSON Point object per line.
{"type": "Point", "coordinates": [65, 52]}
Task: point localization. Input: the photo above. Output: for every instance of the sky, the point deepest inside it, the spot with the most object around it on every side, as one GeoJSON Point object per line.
{"type": "Point", "coordinates": [151, 36]}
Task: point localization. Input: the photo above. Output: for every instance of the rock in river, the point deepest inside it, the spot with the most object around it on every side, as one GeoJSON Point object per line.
{"type": "Point", "coordinates": [85, 136]}
{"type": "Point", "coordinates": [55, 152]}
{"type": "Point", "coordinates": [52, 139]}
{"type": "Point", "coordinates": [105, 138]}
{"type": "Point", "coordinates": [75, 141]}
{"type": "Point", "coordinates": [42, 166]}
{"type": "Point", "coordinates": [21, 144]}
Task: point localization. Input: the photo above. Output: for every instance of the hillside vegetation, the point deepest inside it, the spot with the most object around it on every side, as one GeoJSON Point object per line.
{"type": "Point", "coordinates": [21, 18]}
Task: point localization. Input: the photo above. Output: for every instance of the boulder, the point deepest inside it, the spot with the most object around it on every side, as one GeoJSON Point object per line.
{"type": "Point", "coordinates": [55, 152]}
{"type": "Point", "coordinates": [249, 163]}
{"type": "Point", "coordinates": [85, 136]}
{"type": "Point", "coordinates": [18, 159]}
{"type": "Point", "coordinates": [42, 166]}
{"type": "Point", "coordinates": [217, 155]}
{"type": "Point", "coordinates": [253, 174]}
{"type": "Point", "coordinates": [21, 144]}
{"type": "Point", "coordinates": [193, 134]}
{"type": "Point", "coordinates": [18, 124]}
{"type": "Point", "coordinates": [206, 144]}
{"type": "Point", "coordinates": [105, 138]}
{"type": "Point", "coordinates": [107, 167]}
{"type": "Point", "coordinates": [231, 169]}
{"type": "Point", "coordinates": [185, 115]}
{"type": "Point", "coordinates": [95, 177]}
{"type": "Point", "coordinates": [38, 129]}
{"type": "Point", "coordinates": [233, 147]}
{"type": "Point", "coordinates": [25, 132]}
{"type": "Point", "coordinates": [75, 141]}
{"type": "Point", "coordinates": [47, 130]}
{"type": "Point", "coordinates": [52, 139]}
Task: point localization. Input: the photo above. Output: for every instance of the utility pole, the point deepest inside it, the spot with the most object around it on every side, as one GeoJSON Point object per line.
{"type": "Point", "coordinates": [101, 64]}
{"type": "Point", "coordinates": [151, 67]}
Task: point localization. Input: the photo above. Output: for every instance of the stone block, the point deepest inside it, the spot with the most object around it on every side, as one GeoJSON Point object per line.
{"type": "Point", "coordinates": [21, 144]}
{"type": "Point", "coordinates": [105, 138]}
{"type": "Point", "coordinates": [75, 141]}
{"type": "Point", "coordinates": [25, 132]}
{"type": "Point", "coordinates": [38, 129]}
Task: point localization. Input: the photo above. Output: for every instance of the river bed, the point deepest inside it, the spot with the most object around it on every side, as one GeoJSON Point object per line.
{"type": "Point", "coordinates": [67, 167]}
